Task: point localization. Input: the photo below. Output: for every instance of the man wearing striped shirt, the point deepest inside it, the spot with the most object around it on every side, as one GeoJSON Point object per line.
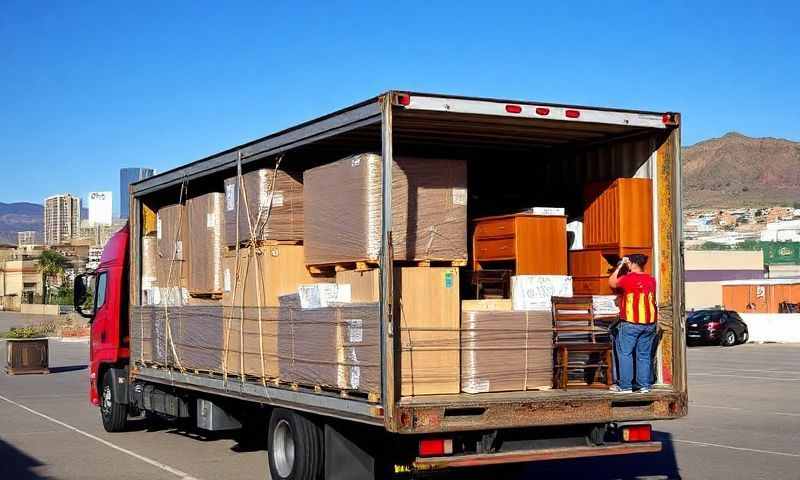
{"type": "Point", "coordinates": [637, 329]}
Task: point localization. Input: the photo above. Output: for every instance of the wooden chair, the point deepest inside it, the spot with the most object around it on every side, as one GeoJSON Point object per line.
{"type": "Point", "coordinates": [575, 331]}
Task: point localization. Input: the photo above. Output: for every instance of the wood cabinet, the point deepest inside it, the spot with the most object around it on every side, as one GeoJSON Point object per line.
{"type": "Point", "coordinates": [619, 214]}
{"type": "Point", "coordinates": [591, 267]}
{"type": "Point", "coordinates": [535, 244]}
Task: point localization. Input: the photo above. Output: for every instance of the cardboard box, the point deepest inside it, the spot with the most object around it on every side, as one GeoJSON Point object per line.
{"type": "Point", "coordinates": [534, 292]}
{"type": "Point", "coordinates": [364, 285]}
{"type": "Point", "coordinates": [506, 351]}
{"type": "Point", "coordinates": [279, 271]}
{"type": "Point", "coordinates": [343, 210]}
{"type": "Point", "coordinates": [204, 241]}
{"type": "Point", "coordinates": [274, 203]}
{"type": "Point", "coordinates": [171, 229]}
{"type": "Point", "coordinates": [251, 334]}
{"type": "Point", "coordinates": [428, 311]}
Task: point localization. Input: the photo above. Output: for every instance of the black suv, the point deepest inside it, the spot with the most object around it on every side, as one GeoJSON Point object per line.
{"type": "Point", "coordinates": [725, 327]}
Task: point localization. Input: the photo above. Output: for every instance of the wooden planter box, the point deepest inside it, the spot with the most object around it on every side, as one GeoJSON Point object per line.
{"type": "Point", "coordinates": [27, 355]}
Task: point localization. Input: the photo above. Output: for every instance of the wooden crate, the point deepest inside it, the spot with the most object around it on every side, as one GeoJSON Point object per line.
{"type": "Point", "coordinates": [619, 214]}
{"type": "Point", "coordinates": [27, 355]}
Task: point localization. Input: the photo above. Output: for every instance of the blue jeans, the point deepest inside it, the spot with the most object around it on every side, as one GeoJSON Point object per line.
{"type": "Point", "coordinates": [638, 338]}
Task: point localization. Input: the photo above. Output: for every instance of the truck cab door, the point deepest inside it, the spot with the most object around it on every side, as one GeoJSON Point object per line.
{"type": "Point", "coordinates": [100, 338]}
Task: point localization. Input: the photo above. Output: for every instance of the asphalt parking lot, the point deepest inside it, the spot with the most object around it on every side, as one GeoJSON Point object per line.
{"type": "Point", "coordinates": [744, 423]}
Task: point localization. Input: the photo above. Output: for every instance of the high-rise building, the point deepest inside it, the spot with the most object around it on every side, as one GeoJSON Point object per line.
{"type": "Point", "coordinates": [27, 237]}
{"type": "Point", "coordinates": [62, 218]}
{"type": "Point", "coordinates": [126, 177]}
{"type": "Point", "coordinates": [100, 208]}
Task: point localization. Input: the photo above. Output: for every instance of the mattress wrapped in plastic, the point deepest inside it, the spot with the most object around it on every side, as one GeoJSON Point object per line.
{"type": "Point", "coordinates": [506, 351]}
{"type": "Point", "coordinates": [274, 203]}
{"type": "Point", "coordinates": [333, 347]}
{"type": "Point", "coordinates": [204, 242]}
{"type": "Point", "coordinates": [187, 337]}
{"type": "Point", "coordinates": [343, 210]}
{"type": "Point", "coordinates": [171, 230]}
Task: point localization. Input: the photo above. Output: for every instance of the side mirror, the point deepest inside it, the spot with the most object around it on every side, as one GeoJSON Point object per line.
{"type": "Point", "coordinates": [81, 296]}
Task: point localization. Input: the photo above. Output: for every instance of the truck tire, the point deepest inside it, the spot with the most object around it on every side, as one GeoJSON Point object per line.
{"type": "Point", "coordinates": [113, 413]}
{"type": "Point", "coordinates": [294, 447]}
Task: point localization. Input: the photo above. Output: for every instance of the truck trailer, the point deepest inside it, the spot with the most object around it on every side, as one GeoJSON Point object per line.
{"type": "Point", "coordinates": [517, 154]}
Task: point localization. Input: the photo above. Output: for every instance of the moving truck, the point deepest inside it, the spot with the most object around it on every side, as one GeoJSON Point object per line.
{"type": "Point", "coordinates": [518, 154]}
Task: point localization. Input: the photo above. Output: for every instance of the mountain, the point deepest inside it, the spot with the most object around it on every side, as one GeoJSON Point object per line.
{"type": "Point", "coordinates": [737, 171]}
{"type": "Point", "coordinates": [17, 217]}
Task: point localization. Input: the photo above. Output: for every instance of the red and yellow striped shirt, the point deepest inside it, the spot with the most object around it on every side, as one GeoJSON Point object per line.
{"type": "Point", "coordinates": [639, 298]}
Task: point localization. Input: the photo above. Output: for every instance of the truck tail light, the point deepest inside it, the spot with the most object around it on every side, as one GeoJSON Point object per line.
{"type": "Point", "coordinates": [572, 113]}
{"type": "Point", "coordinates": [513, 109]}
{"type": "Point", "coordinates": [637, 433]}
{"type": "Point", "coordinates": [435, 447]}
{"type": "Point", "coordinates": [542, 111]}
{"type": "Point", "coordinates": [404, 100]}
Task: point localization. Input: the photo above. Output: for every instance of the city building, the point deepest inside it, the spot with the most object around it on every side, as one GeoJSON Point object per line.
{"type": "Point", "coordinates": [98, 234]}
{"type": "Point", "coordinates": [781, 231]}
{"type": "Point", "coordinates": [705, 270]}
{"type": "Point", "coordinates": [100, 208]}
{"type": "Point", "coordinates": [126, 177]}
{"type": "Point", "coordinates": [62, 217]}
{"type": "Point", "coordinates": [20, 282]}
{"type": "Point", "coordinates": [27, 237]}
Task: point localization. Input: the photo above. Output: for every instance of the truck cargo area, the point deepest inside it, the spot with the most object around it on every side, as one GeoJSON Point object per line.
{"type": "Point", "coordinates": [531, 169]}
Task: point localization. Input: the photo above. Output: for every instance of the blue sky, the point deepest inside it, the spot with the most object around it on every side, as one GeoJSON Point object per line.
{"type": "Point", "coordinates": [89, 87]}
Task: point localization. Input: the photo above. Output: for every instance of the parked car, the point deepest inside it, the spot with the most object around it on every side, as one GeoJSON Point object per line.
{"type": "Point", "coordinates": [725, 327]}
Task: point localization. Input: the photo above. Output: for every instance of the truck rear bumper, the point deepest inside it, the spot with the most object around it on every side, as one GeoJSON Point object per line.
{"type": "Point", "coordinates": [473, 460]}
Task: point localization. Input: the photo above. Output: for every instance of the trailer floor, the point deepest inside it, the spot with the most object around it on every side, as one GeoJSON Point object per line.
{"type": "Point", "coordinates": [743, 423]}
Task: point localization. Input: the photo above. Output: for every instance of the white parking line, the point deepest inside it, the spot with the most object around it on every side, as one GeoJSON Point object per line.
{"type": "Point", "coordinates": [730, 447]}
{"type": "Point", "coordinates": [150, 461]}
{"type": "Point", "coordinates": [719, 407]}
{"type": "Point", "coordinates": [779, 379]}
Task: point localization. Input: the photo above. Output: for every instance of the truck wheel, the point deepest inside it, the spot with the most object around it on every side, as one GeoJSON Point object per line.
{"type": "Point", "coordinates": [294, 447]}
{"type": "Point", "coordinates": [114, 414]}
{"type": "Point", "coordinates": [729, 338]}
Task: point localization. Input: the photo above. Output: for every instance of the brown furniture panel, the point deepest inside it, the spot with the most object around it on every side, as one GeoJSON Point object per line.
{"type": "Point", "coordinates": [537, 244]}
{"type": "Point", "coordinates": [619, 213]}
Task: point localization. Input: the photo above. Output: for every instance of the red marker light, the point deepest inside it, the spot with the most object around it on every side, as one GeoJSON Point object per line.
{"type": "Point", "coordinates": [542, 111]}
{"type": "Point", "coordinates": [404, 100]}
{"type": "Point", "coordinates": [666, 118]}
{"type": "Point", "coordinates": [513, 109]}
{"type": "Point", "coordinates": [637, 433]}
{"type": "Point", "coordinates": [572, 113]}
{"type": "Point", "coordinates": [435, 447]}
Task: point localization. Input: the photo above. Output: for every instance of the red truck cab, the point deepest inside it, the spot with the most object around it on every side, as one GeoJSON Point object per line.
{"type": "Point", "coordinates": [109, 341]}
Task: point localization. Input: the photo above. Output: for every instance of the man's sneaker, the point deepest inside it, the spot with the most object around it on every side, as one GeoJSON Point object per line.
{"type": "Point", "coordinates": [644, 390]}
{"type": "Point", "coordinates": [616, 389]}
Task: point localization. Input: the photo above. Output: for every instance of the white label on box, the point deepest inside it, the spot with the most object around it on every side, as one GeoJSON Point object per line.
{"type": "Point", "coordinates": [355, 330]}
{"type": "Point", "coordinates": [277, 199]}
{"type": "Point", "coordinates": [547, 211]}
{"type": "Point", "coordinates": [459, 196]}
{"type": "Point", "coordinates": [226, 280]}
{"type": "Point", "coordinates": [534, 292]}
{"type": "Point", "coordinates": [230, 196]}
{"type": "Point", "coordinates": [211, 220]}
{"type": "Point", "coordinates": [158, 227]}
{"type": "Point", "coordinates": [178, 250]}
{"type": "Point", "coordinates": [355, 377]}
{"type": "Point", "coordinates": [320, 295]}
{"type": "Point", "coordinates": [355, 162]}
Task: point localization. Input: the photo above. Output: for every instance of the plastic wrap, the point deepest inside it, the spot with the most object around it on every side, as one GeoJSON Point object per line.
{"type": "Point", "coordinates": [204, 242]}
{"type": "Point", "coordinates": [506, 351]}
{"type": "Point", "coordinates": [149, 262]}
{"type": "Point", "coordinates": [171, 230]}
{"type": "Point", "coordinates": [276, 213]}
{"type": "Point", "coordinates": [251, 333]}
{"type": "Point", "coordinates": [331, 347]}
{"type": "Point", "coordinates": [343, 200]}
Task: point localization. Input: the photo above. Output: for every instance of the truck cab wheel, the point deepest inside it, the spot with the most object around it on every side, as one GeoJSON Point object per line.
{"type": "Point", "coordinates": [113, 413]}
{"type": "Point", "coordinates": [294, 447]}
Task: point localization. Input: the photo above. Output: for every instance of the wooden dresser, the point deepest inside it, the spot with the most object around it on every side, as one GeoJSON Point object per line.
{"type": "Point", "coordinates": [536, 244]}
{"type": "Point", "coordinates": [591, 267]}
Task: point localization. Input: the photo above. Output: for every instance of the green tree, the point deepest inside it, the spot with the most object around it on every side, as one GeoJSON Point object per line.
{"type": "Point", "coordinates": [51, 264]}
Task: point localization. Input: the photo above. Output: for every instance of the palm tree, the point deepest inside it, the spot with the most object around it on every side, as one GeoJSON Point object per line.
{"type": "Point", "coordinates": [51, 263]}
